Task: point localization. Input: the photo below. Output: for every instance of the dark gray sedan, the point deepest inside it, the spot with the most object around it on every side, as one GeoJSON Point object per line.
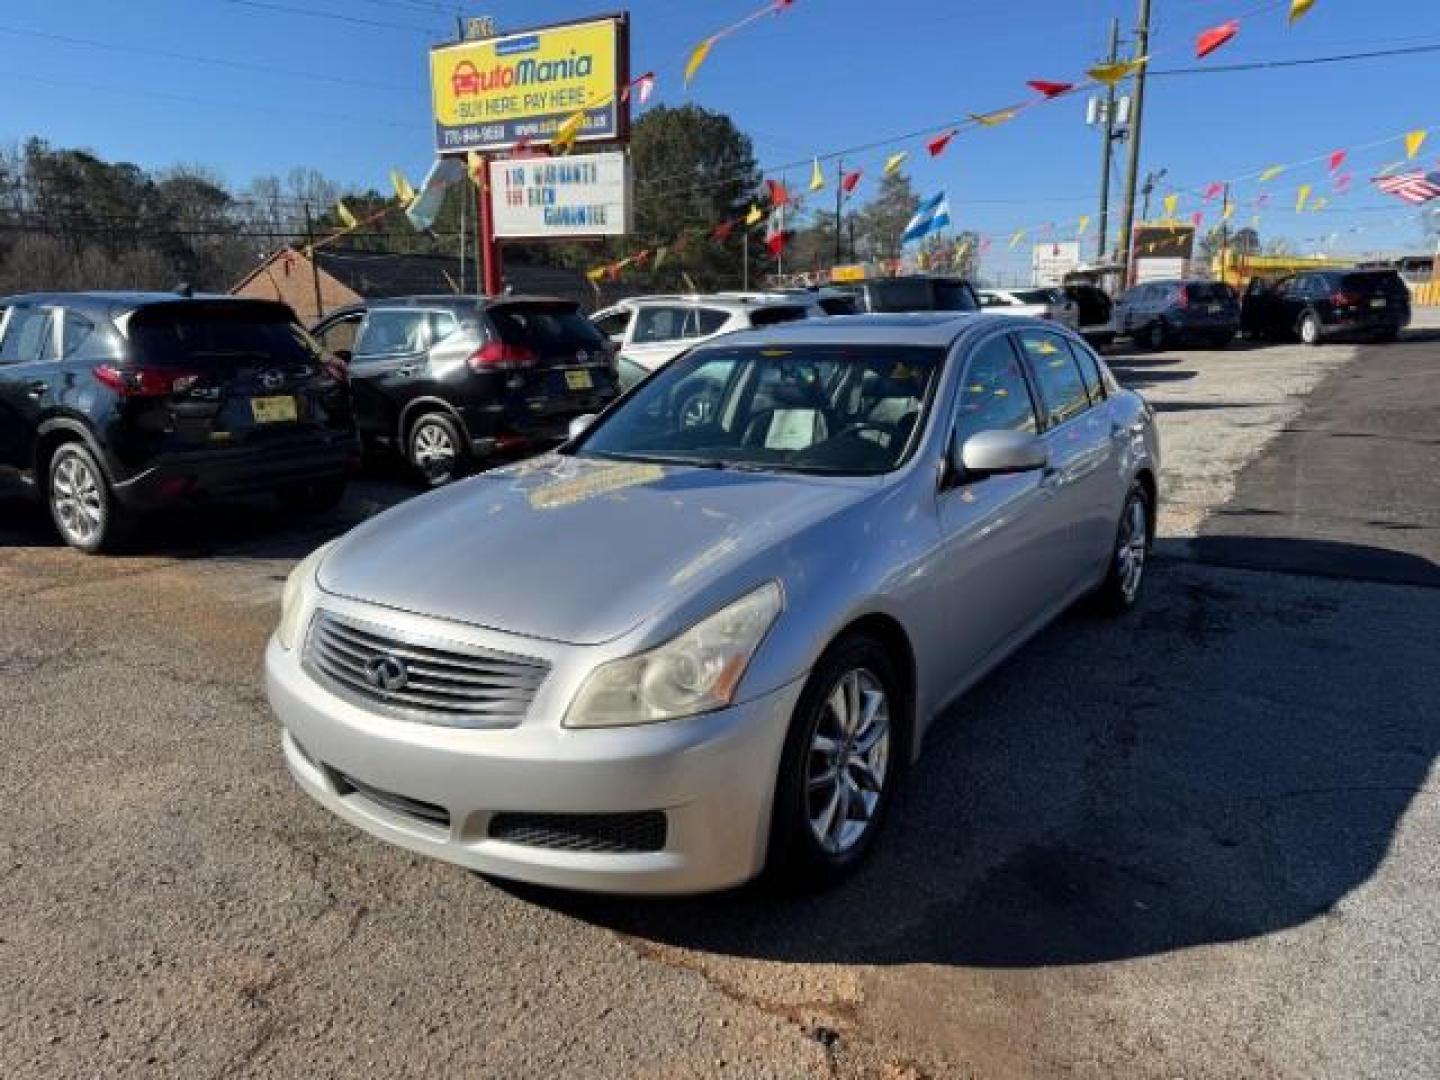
{"type": "Point", "coordinates": [697, 643]}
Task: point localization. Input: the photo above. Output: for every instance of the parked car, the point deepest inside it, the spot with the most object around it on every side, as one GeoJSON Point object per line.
{"type": "Point", "coordinates": [1327, 304]}
{"type": "Point", "coordinates": [649, 331]}
{"type": "Point", "coordinates": [879, 510]}
{"type": "Point", "coordinates": [1049, 304]}
{"type": "Point", "coordinates": [116, 403]}
{"type": "Point", "coordinates": [1159, 314]}
{"type": "Point", "coordinates": [448, 380]}
{"type": "Point", "coordinates": [1096, 313]}
{"type": "Point", "coordinates": [913, 292]}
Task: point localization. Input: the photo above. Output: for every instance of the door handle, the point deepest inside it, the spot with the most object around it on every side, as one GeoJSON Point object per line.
{"type": "Point", "coordinates": [37, 389]}
{"type": "Point", "coordinates": [409, 369]}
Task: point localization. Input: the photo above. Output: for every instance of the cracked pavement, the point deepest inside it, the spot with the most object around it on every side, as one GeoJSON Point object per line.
{"type": "Point", "coordinates": [1197, 842]}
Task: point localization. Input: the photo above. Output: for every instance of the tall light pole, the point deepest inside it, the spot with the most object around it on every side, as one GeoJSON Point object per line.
{"type": "Point", "coordinates": [1107, 152]}
{"type": "Point", "coordinates": [1132, 167]}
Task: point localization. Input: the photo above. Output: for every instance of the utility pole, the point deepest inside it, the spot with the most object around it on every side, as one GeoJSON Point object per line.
{"type": "Point", "coordinates": [839, 203]}
{"type": "Point", "coordinates": [314, 266]}
{"type": "Point", "coordinates": [1132, 167]}
{"type": "Point", "coordinates": [1224, 233]}
{"type": "Point", "coordinates": [1107, 152]}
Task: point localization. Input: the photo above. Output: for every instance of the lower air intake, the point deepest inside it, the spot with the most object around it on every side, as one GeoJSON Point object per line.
{"type": "Point", "coordinates": [603, 833]}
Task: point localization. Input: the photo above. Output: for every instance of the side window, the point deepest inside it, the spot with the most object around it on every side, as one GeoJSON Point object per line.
{"type": "Point", "coordinates": [706, 321]}
{"type": "Point", "coordinates": [1062, 391]}
{"type": "Point", "coordinates": [614, 324]}
{"type": "Point", "coordinates": [27, 335]}
{"type": "Point", "coordinates": [442, 325]}
{"type": "Point", "coordinates": [994, 395]}
{"type": "Point", "coordinates": [1089, 371]}
{"type": "Point", "coordinates": [388, 333]}
{"type": "Point", "coordinates": [75, 331]}
{"type": "Point", "coordinates": [340, 334]}
{"type": "Point", "coordinates": [654, 324]}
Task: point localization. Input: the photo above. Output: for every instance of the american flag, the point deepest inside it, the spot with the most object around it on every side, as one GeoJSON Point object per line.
{"type": "Point", "coordinates": [1414, 187]}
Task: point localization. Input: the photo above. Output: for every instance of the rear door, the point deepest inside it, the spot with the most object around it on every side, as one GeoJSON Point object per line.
{"type": "Point", "coordinates": [29, 348]}
{"type": "Point", "coordinates": [658, 334]}
{"type": "Point", "coordinates": [570, 369]}
{"type": "Point", "coordinates": [225, 373]}
{"type": "Point", "coordinates": [1210, 305]}
{"type": "Point", "coordinates": [388, 367]}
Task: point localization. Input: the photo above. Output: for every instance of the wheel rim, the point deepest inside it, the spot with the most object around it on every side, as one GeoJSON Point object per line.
{"type": "Point", "coordinates": [848, 761]}
{"type": "Point", "coordinates": [79, 505]}
{"type": "Point", "coordinates": [434, 451]}
{"type": "Point", "coordinates": [1131, 549]}
{"type": "Point", "coordinates": [1307, 331]}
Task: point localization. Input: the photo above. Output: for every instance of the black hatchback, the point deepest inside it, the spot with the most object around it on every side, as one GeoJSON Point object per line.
{"type": "Point", "coordinates": [114, 403]}
{"type": "Point", "coordinates": [447, 380]}
{"type": "Point", "coordinates": [1326, 304]}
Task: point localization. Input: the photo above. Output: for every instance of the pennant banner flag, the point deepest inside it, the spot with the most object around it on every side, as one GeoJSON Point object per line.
{"type": "Point", "coordinates": [1302, 197]}
{"type": "Point", "coordinates": [563, 141]}
{"type": "Point", "coordinates": [778, 195]}
{"type": "Point", "coordinates": [403, 191]}
{"type": "Point", "coordinates": [1112, 74]}
{"type": "Point", "coordinates": [1413, 142]}
{"type": "Point", "coordinates": [993, 119]}
{"type": "Point", "coordinates": [1337, 159]}
{"type": "Point", "coordinates": [697, 57]}
{"type": "Point", "coordinates": [1015, 240]}
{"type": "Point", "coordinates": [850, 181]}
{"type": "Point", "coordinates": [1172, 203]}
{"type": "Point", "coordinates": [894, 161]}
{"type": "Point", "coordinates": [1299, 9]}
{"type": "Point", "coordinates": [642, 87]}
{"type": "Point", "coordinates": [346, 217]}
{"type": "Point", "coordinates": [1270, 173]}
{"type": "Point", "coordinates": [932, 216]}
{"type": "Point", "coordinates": [937, 145]}
{"type": "Point", "coordinates": [1212, 191]}
{"type": "Point", "coordinates": [1050, 89]}
{"type": "Point", "coordinates": [754, 217]}
{"type": "Point", "coordinates": [1228, 212]}
{"type": "Point", "coordinates": [702, 51]}
{"type": "Point", "coordinates": [1084, 224]}
{"type": "Point", "coordinates": [1213, 38]}
{"type": "Point", "coordinates": [817, 178]}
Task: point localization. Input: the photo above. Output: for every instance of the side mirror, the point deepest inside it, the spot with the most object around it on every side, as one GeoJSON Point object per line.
{"type": "Point", "coordinates": [997, 453]}
{"type": "Point", "coordinates": [343, 355]}
{"type": "Point", "coordinates": [617, 340]}
{"type": "Point", "coordinates": [580, 424]}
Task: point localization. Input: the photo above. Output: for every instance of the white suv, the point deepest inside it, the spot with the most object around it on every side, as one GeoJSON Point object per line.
{"type": "Point", "coordinates": [1039, 303]}
{"type": "Point", "coordinates": [648, 331]}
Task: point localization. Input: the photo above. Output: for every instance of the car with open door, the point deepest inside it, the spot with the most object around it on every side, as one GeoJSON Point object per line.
{"type": "Point", "coordinates": [113, 404]}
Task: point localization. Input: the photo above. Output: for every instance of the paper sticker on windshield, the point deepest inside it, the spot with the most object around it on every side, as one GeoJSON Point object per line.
{"type": "Point", "coordinates": [1043, 347]}
{"type": "Point", "coordinates": [792, 429]}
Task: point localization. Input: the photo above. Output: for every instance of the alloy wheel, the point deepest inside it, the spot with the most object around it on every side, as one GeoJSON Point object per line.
{"type": "Point", "coordinates": [434, 451]}
{"type": "Point", "coordinates": [1131, 549]}
{"type": "Point", "coordinates": [76, 496]}
{"type": "Point", "coordinates": [848, 761]}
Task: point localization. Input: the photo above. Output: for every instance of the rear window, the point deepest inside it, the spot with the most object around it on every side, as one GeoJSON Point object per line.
{"type": "Point", "coordinates": [1212, 293]}
{"type": "Point", "coordinates": [769, 316]}
{"type": "Point", "coordinates": [194, 334]}
{"type": "Point", "coordinates": [901, 295]}
{"type": "Point", "coordinates": [954, 296]}
{"type": "Point", "coordinates": [545, 329]}
{"type": "Point", "coordinates": [1037, 296]}
{"type": "Point", "coordinates": [1377, 281]}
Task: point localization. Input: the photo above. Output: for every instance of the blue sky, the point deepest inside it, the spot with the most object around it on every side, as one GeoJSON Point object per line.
{"type": "Point", "coordinates": [351, 98]}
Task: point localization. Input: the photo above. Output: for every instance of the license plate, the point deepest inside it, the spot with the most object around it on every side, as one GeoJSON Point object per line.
{"type": "Point", "coordinates": [578, 380]}
{"type": "Point", "coordinates": [273, 410]}
{"type": "Point", "coordinates": [1379, 301]}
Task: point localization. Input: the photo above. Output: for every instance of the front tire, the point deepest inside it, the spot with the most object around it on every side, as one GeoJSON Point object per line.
{"type": "Point", "coordinates": [842, 761]}
{"type": "Point", "coordinates": [82, 505]}
{"type": "Point", "coordinates": [435, 449]}
{"type": "Point", "coordinates": [1310, 333]}
{"type": "Point", "coordinates": [1120, 590]}
{"type": "Point", "coordinates": [1157, 337]}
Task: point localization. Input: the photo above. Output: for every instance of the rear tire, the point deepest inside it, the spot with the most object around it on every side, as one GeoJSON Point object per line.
{"type": "Point", "coordinates": [1157, 337]}
{"type": "Point", "coordinates": [436, 450]}
{"type": "Point", "coordinates": [1309, 329]}
{"type": "Point", "coordinates": [313, 498]}
{"type": "Point", "coordinates": [1120, 590]}
{"type": "Point", "coordinates": [844, 754]}
{"type": "Point", "coordinates": [82, 504]}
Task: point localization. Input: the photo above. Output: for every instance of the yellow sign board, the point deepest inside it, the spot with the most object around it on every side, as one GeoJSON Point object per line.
{"type": "Point", "coordinates": [492, 94]}
{"type": "Point", "coordinates": [847, 273]}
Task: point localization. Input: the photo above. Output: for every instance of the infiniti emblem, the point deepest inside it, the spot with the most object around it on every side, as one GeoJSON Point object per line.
{"type": "Point", "coordinates": [387, 673]}
{"type": "Point", "coordinates": [272, 380]}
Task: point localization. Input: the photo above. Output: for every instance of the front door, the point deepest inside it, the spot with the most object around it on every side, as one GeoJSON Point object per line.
{"type": "Point", "coordinates": [387, 368]}
{"type": "Point", "coordinates": [29, 347]}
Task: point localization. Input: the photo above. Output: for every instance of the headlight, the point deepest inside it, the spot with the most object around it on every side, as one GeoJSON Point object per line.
{"type": "Point", "coordinates": [291, 609]}
{"type": "Point", "coordinates": [694, 673]}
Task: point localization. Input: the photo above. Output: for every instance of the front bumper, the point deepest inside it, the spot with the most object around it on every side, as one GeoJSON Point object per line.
{"type": "Point", "coordinates": [237, 471]}
{"type": "Point", "coordinates": [712, 776]}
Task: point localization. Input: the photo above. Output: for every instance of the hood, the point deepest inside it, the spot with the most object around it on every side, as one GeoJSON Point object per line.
{"type": "Point", "coordinates": [573, 550]}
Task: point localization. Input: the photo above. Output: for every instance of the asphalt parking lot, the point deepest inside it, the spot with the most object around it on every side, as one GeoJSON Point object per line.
{"type": "Point", "coordinates": [1197, 842]}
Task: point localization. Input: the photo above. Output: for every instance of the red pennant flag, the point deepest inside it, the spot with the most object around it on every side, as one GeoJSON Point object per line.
{"type": "Point", "coordinates": [1213, 190]}
{"type": "Point", "coordinates": [1197, 218]}
{"type": "Point", "coordinates": [1213, 38]}
{"type": "Point", "coordinates": [1050, 89]}
{"type": "Point", "coordinates": [722, 231]}
{"type": "Point", "coordinates": [778, 195]}
{"type": "Point", "coordinates": [1337, 159]}
{"type": "Point", "coordinates": [850, 181]}
{"type": "Point", "coordinates": [776, 242]}
{"type": "Point", "coordinates": [1342, 182]}
{"type": "Point", "coordinates": [642, 257]}
{"type": "Point", "coordinates": [613, 271]}
{"type": "Point", "coordinates": [937, 145]}
{"type": "Point", "coordinates": [642, 86]}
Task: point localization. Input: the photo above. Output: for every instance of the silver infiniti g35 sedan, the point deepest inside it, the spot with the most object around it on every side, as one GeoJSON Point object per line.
{"type": "Point", "coordinates": [705, 638]}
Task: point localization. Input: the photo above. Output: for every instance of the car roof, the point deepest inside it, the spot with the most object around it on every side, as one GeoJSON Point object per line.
{"type": "Point", "coordinates": [113, 302]}
{"type": "Point", "coordinates": [461, 301]}
{"type": "Point", "coordinates": [933, 328]}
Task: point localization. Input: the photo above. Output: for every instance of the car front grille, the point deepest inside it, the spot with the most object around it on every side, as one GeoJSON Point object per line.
{"type": "Point", "coordinates": [450, 685]}
{"type": "Point", "coordinates": [606, 833]}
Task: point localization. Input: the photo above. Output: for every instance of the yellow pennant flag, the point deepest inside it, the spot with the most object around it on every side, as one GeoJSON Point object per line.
{"type": "Point", "coordinates": [754, 217]}
{"type": "Point", "coordinates": [1112, 74]}
{"type": "Point", "coordinates": [1299, 9]}
{"type": "Point", "coordinates": [1172, 203]}
{"type": "Point", "coordinates": [403, 191]}
{"type": "Point", "coordinates": [1228, 212]}
{"type": "Point", "coordinates": [565, 134]}
{"type": "Point", "coordinates": [1319, 204]}
{"type": "Point", "coordinates": [1015, 240]}
{"type": "Point", "coordinates": [660, 254]}
{"type": "Point", "coordinates": [1414, 141]}
{"type": "Point", "coordinates": [596, 274]}
{"type": "Point", "coordinates": [697, 57]}
{"type": "Point", "coordinates": [1084, 224]}
{"type": "Point", "coordinates": [993, 119]}
{"type": "Point", "coordinates": [1271, 173]}
{"type": "Point", "coordinates": [346, 217]}
{"type": "Point", "coordinates": [817, 178]}
{"type": "Point", "coordinates": [1302, 197]}
{"type": "Point", "coordinates": [894, 161]}
{"type": "Point", "coordinates": [475, 166]}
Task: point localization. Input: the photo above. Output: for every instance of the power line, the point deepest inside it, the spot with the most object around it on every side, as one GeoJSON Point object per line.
{"type": "Point", "coordinates": [354, 20]}
{"type": "Point", "coordinates": [1308, 61]}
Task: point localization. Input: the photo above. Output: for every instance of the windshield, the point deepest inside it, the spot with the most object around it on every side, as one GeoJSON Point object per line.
{"type": "Point", "coordinates": [835, 409]}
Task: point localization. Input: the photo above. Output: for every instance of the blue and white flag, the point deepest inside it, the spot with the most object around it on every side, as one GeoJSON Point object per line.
{"type": "Point", "coordinates": [933, 215]}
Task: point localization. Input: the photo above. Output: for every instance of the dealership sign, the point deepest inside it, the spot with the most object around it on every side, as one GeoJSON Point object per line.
{"type": "Point", "coordinates": [1049, 263]}
{"type": "Point", "coordinates": [491, 94]}
{"type": "Point", "coordinates": [565, 197]}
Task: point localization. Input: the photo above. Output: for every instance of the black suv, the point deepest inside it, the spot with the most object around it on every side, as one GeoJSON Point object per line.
{"type": "Point", "coordinates": [1327, 304]}
{"type": "Point", "coordinates": [447, 379]}
{"type": "Point", "coordinates": [1159, 314]}
{"type": "Point", "coordinates": [914, 292]}
{"type": "Point", "coordinates": [111, 403]}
